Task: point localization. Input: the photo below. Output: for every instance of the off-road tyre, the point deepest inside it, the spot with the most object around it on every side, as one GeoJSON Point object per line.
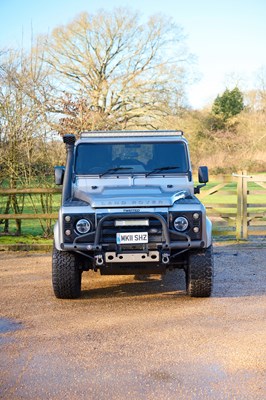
{"type": "Point", "coordinates": [199, 273]}
{"type": "Point", "coordinates": [66, 275]}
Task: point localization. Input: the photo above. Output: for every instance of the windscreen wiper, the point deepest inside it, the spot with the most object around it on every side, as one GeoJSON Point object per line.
{"type": "Point", "coordinates": [161, 169]}
{"type": "Point", "coordinates": [115, 170]}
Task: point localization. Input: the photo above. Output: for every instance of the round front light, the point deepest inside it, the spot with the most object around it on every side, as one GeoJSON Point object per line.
{"type": "Point", "coordinates": [181, 224]}
{"type": "Point", "coordinates": [83, 226]}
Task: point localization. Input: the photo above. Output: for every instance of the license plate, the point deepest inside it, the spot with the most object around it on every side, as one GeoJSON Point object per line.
{"type": "Point", "coordinates": [131, 237]}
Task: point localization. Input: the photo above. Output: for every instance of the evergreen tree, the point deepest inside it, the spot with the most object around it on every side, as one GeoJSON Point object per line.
{"type": "Point", "coordinates": [230, 103]}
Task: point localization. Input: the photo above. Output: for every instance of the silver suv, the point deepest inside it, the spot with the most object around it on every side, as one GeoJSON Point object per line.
{"type": "Point", "coordinates": [129, 207]}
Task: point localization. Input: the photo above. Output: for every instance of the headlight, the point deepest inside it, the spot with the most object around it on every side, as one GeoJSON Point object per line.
{"type": "Point", "coordinates": [83, 226]}
{"type": "Point", "coordinates": [180, 224]}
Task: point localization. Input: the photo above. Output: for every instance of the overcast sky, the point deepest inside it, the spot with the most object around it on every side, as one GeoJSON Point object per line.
{"type": "Point", "coordinates": [228, 37]}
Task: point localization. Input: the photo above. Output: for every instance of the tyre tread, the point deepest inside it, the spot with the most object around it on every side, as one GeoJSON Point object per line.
{"type": "Point", "coordinates": [200, 273]}
{"type": "Point", "coordinates": [66, 277]}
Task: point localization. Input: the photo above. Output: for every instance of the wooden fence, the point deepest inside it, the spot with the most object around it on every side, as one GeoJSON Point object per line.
{"type": "Point", "coordinates": [227, 203]}
{"type": "Point", "coordinates": [235, 216]}
{"type": "Point", "coordinates": [31, 191]}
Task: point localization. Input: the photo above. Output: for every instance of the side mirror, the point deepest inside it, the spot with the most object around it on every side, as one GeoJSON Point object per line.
{"type": "Point", "coordinates": [59, 173]}
{"type": "Point", "coordinates": [203, 175]}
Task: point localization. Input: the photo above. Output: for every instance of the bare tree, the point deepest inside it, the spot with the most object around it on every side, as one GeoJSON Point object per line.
{"type": "Point", "coordinates": [116, 71]}
{"type": "Point", "coordinates": [261, 88]}
{"type": "Point", "coordinates": [23, 126]}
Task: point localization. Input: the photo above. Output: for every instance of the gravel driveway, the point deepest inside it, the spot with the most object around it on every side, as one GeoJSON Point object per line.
{"type": "Point", "coordinates": [127, 339]}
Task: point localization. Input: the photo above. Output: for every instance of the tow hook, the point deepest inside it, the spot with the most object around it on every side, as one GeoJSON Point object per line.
{"type": "Point", "coordinates": [165, 258]}
{"type": "Point", "coordinates": [99, 260]}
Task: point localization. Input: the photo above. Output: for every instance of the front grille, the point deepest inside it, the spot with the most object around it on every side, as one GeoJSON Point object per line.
{"type": "Point", "coordinates": [109, 231]}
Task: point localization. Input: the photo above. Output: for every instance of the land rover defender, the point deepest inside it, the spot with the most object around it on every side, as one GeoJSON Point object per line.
{"type": "Point", "coordinates": [129, 207]}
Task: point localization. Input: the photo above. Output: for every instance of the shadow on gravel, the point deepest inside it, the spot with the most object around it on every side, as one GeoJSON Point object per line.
{"type": "Point", "coordinates": [171, 284]}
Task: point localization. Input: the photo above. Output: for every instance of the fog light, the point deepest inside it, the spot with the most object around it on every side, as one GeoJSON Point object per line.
{"type": "Point", "coordinates": [181, 224]}
{"type": "Point", "coordinates": [68, 232]}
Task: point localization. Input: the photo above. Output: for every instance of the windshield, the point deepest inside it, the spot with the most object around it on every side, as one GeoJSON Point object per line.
{"type": "Point", "coordinates": [129, 158]}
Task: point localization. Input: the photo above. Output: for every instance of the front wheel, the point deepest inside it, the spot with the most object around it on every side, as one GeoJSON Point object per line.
{"type": "Point", "coordinates": [66, 275]}
{"type": "Point", "coordinates": [199, 273]}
